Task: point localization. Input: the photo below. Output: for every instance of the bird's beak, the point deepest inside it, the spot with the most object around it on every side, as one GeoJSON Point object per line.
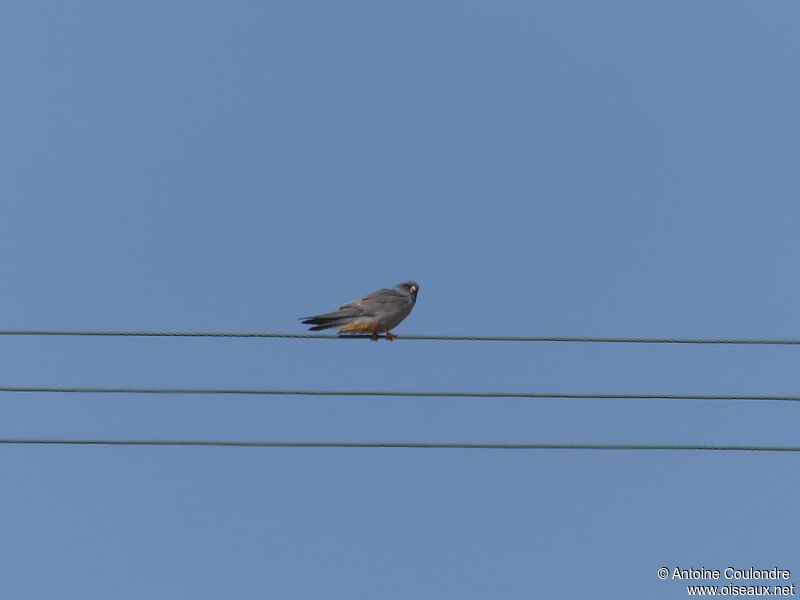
{"type": "Point", "coordinates": [413, 289]}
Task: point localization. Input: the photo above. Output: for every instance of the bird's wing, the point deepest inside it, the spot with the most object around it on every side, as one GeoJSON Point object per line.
{"type": "Point", "coordinates": [377, 301]}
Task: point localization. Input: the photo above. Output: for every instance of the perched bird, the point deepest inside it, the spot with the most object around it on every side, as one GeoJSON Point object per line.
{"type": "Point", "coordinates": [377, 312]}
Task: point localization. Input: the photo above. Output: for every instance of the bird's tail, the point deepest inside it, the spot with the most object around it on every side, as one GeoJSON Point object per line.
{"type": "Point", "coordinates": [338, 318]}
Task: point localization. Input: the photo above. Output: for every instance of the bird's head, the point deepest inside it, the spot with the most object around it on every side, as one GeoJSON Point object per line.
{"type": "Point", "coordinates": [408, 287]}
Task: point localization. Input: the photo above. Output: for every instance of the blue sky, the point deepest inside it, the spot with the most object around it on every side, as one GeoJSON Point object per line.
{"type": "Point", "coordinates": [540, 168]}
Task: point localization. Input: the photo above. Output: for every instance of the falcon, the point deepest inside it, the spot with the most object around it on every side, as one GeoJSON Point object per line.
{"type": "Point", "coordinates": [380, 311]}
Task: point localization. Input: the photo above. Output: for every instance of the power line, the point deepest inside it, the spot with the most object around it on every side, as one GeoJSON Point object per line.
{"type": "Point", "coordinates": [437, 446]}
{"type": "Point", "coordinates": [449, 338]}
{"type": "Point", "coordinates": [267, 392]}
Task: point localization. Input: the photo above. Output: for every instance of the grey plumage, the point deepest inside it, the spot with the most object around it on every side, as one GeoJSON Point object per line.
{"type": "Point", "coordinates": [379, 311]}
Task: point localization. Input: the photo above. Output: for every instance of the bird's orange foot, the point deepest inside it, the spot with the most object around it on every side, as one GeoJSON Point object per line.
{"type": "Point", "coordinates": [390, 336]}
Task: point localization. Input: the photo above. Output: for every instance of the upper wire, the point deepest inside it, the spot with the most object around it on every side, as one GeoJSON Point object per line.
{"type": "Point", "coordinates": [449, 338]}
